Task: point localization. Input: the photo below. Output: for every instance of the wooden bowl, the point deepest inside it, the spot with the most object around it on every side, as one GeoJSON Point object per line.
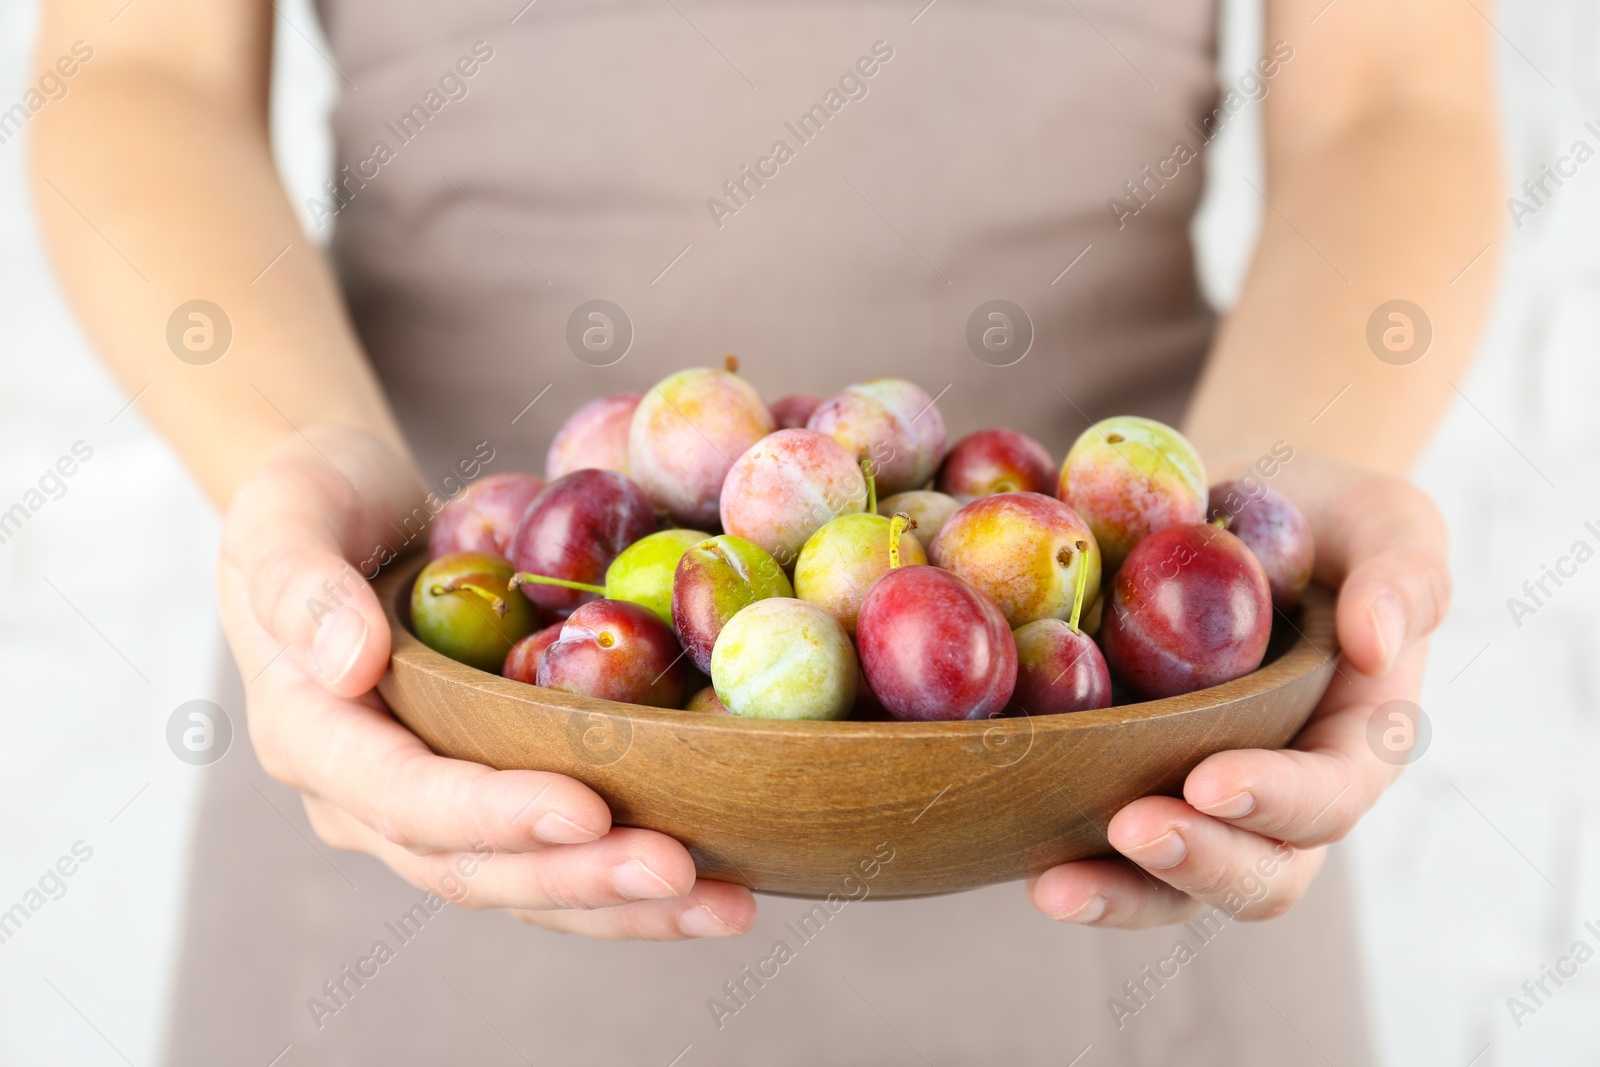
{"type": "Point", "coordinates": [798, 808]}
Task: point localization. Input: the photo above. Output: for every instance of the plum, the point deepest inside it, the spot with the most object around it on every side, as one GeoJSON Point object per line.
{"type": "Point", "coordinates": [1275, 531]}
{"type": "Point", "coordinates": [791, 412]}
{"type": "Point", "coordinates": [891, 422]}
{"type": "Point", "coordinates": [934, 647]}
{"type": "Point", "coordinates": [1190, 608]}
{"type": "Point", "coordinates": [715, 580]}
{"type": "Point", "coordinates": [484, 518]}
{"type": "Point", "coordinates": [838, 565]}
{"type": "Point", "coordinates": [996, 461]}
{"type": "Point", "coordinates": [927, 510]}
{"type": "Point", "coordinates": [705, 699]}
{"type": "Point", "coordinates": [522, 662]}
{"type": "Point", "coordinates": [596, 435]}
{"type": "Point", "coordinates": [782, 658]}
{"type": "Point", "coordinates": [786, 486]}
{"type": "Point", "coordinates": [685, 435]}
{"type": "Point", "coordinates": [641, 574]}
{"type": "Point", "coordinates": [460, 606]}
{"type": "Point", "coordinates": [1059, 669]}
{"type": "Point", "coordinates": [1129, 477]}
{"type": "Point", "coordinates": [573, 530]}
{"type": "Point", "coordinates": [615, 650]}
{"type": "Point", "coordinates": [1024, 550]}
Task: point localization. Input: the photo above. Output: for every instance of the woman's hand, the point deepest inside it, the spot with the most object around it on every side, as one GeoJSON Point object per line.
{"type": "Point", "coordinates": [1253, 826]}
{"type": "Point", "coordinates": [540, 845]}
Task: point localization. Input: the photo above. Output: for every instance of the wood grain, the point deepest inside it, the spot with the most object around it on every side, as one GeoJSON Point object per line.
{"type": "Point", "coordinates": [798, 807]}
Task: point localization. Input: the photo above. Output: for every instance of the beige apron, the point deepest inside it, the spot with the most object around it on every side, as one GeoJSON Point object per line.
{"type": "Point", "coordinates": [832, 191]}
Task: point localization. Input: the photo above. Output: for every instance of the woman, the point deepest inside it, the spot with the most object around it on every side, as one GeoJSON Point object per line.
{"type": "Point", "coordinates": [499, 168]}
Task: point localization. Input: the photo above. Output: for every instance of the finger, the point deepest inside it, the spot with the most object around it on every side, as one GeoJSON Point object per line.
{"type": "Point", "coordinates": [1384, 545]}
{"type": "Point", "coordinates": [710, 909]}
{"type": "Point", "coordinates": [1249, 876]}
{"type": "Point", "coordinates": [291, 531]}
{"type": "Point", "coordinates": [379, 772]}
{"type": "Point", "coordinates": [537, 896]}
{"type": "Point", "coordinates": [1109, 893]}
{"type": "Point", "coordinates": [626, 865]}
{"type": "Point", "coordinates": [1311, 794]}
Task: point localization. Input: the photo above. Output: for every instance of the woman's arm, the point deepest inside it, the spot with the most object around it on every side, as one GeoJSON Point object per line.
{"type": "Point", "coordinates": [156, 186]}
{"type": "Point", "coordinates": [1382, 184]}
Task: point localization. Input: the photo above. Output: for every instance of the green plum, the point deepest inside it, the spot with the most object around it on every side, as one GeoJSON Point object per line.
{"type": "Point", "coordinates": [781, 658]}
{"type": "Point", "coordinates": [717, 579]}
{"type": "Point", "coordinates": [841, 561]}
{"type": "Point", "coordinates": [459, 607]}
{"type": "Point", "coordinates": [642, 573]}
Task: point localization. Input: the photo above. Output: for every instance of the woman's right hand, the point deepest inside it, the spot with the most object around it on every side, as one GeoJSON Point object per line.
{"type": "Point", "coordinates": [539, 845]}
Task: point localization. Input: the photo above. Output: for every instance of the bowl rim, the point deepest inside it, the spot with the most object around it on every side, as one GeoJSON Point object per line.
{"type": "Point", "coordinates": [1314, 645]}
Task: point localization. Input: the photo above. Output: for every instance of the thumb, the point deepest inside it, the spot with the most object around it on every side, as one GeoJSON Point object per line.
{"type": "Point", "coordinates": [301, 531]}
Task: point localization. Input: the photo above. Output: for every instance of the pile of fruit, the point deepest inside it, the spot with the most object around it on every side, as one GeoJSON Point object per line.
{"type": "Point", "coordinates": [818, 559]}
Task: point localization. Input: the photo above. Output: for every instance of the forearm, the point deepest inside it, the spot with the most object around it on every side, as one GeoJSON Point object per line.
{"type": "Point", "coordinates": [1382, 184]}
{"type": "Point", "coordinates": [1396, 209]}
{"type": "Point", "coordinates": [151, 193]}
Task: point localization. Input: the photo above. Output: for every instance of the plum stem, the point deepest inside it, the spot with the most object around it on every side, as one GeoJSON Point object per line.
{"type": "Point", "coordinates": [1082, 584]}
{"type": "Point", "coordinates": [460, 585]}
{"type": "Point", "coordinates": [872, 486]}
{"type": "Point", "coordinates": [731, 362]}
{"type": "Point", "coordinates": [524, 578]}
{"type": "Point", "coordinates": [897, 528]}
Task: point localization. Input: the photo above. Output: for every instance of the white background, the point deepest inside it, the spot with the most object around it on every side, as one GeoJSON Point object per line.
{"type": "Point", "coordinates": [1478, 869]}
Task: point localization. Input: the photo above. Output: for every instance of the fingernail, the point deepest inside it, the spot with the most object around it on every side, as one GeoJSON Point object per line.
{"type": "Point", "coordinates": [339, 641]}
{"type": "Point", "coordinates": [703, 922]}
{"type": "Point", "coordinates": [559, 830]}
{"type": "Point", "coordinates": [1165, 851]}
{"type": "Point", "coordinates": [1389, 620]}
{"type": "Point", "coordinates": [1090, 911]}
{"type": "Point", "coordinates": [1235, 807]}
{"type": "Point", "coordinates": [636, 881]}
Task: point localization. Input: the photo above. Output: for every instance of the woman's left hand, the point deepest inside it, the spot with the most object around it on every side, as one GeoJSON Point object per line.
{"type": "Point", "coordinates": [1252, 827]}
